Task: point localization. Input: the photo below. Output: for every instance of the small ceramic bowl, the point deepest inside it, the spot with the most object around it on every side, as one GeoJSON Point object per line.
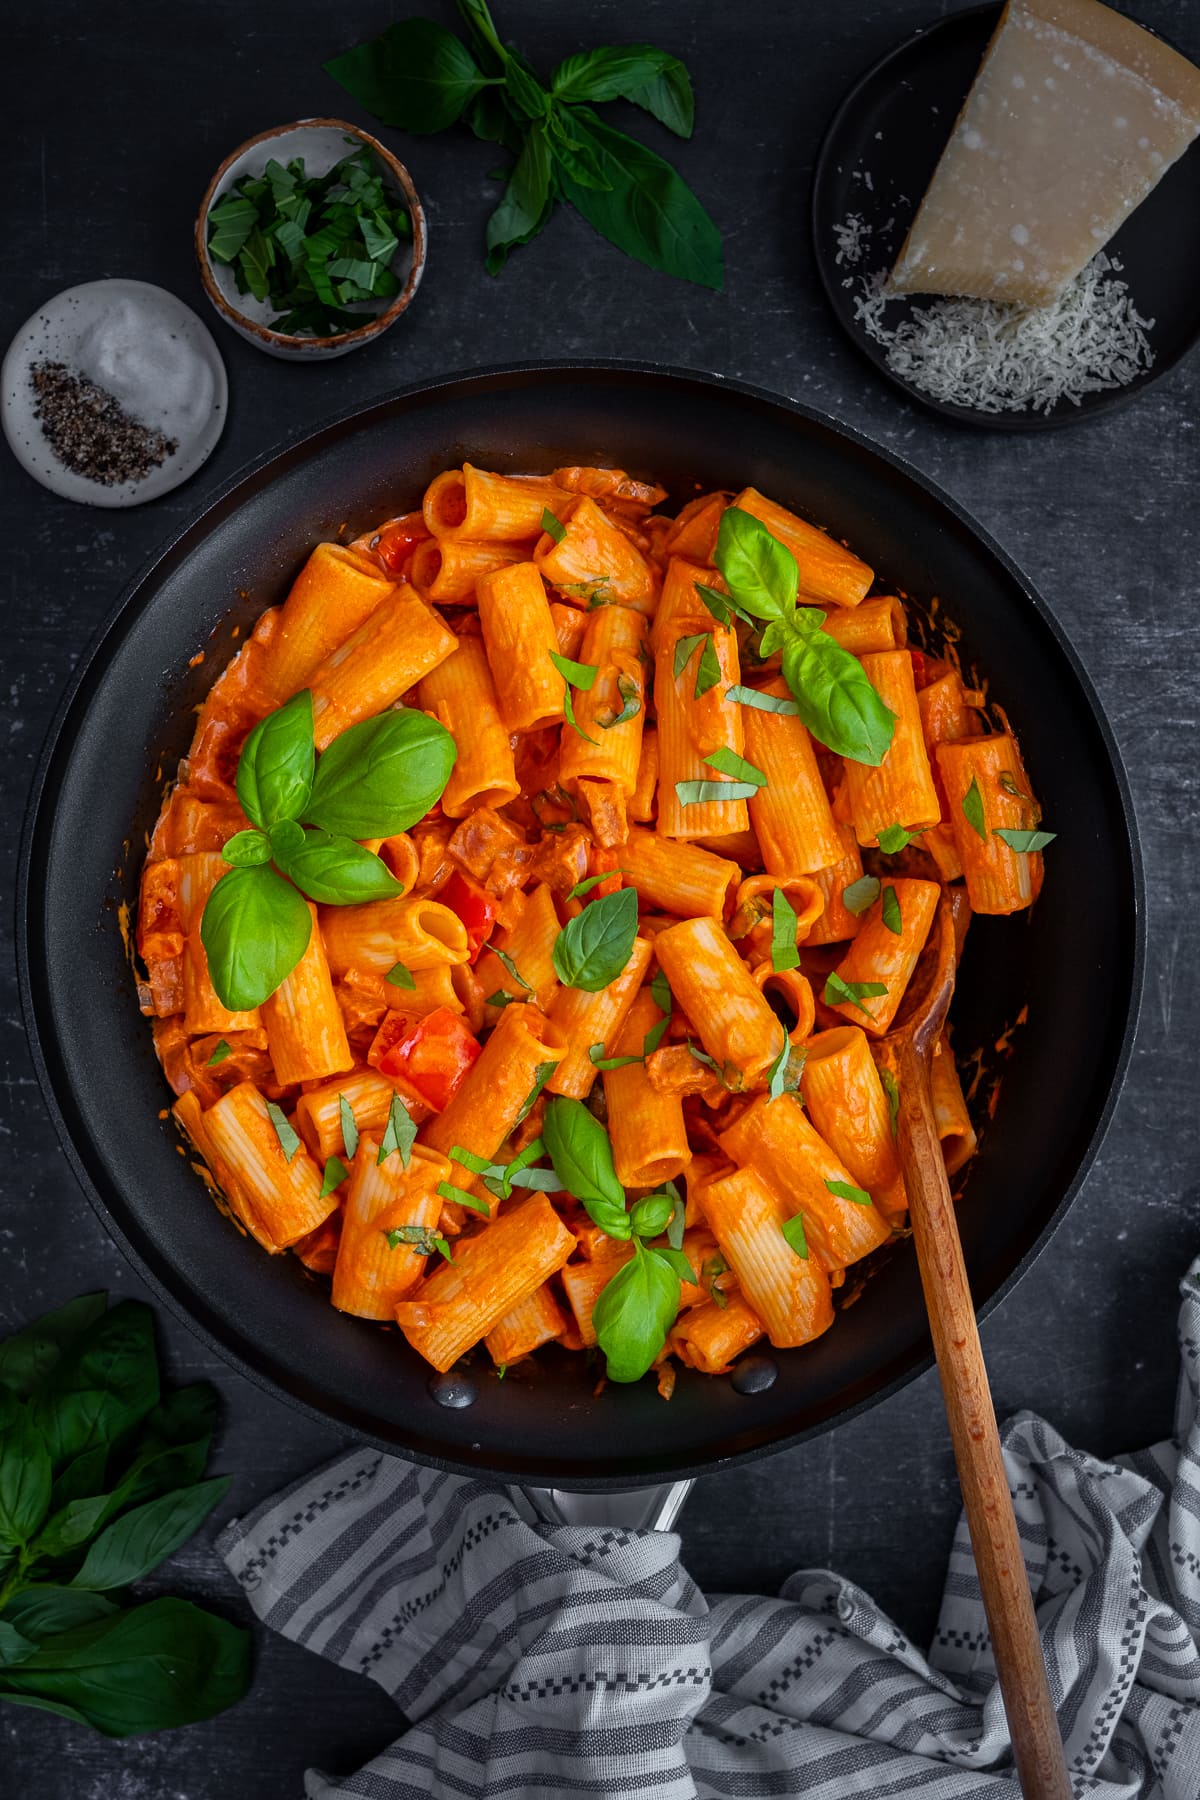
{"type": "Point", "coordinates": [321, 143]}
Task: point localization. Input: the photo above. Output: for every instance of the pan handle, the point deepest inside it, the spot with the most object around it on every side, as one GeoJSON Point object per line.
{"type": "Point", "coordinates": [632, 1509]}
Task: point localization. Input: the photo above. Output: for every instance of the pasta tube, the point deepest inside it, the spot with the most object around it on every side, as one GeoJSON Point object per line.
{"type": "Point", "coordinates": [486, 508]}
{"type": "Point", "coordinates": [789, 1293]}
{"type": "Point", "coordinates": [306, 1034]}
{"type": "Point", "coordinates": [710, 1336]}
{"type": "Point", "coordinates": [594, 558]}
{"type": "Point", "coordinates": [532, 1322]}
{"type": "Point", "coordinates": [642, 802]}
{"type": "Point", "coordinates": [883, 956]}
{"type": "Point", "coordinates": [401, 641]}
{"type": "Point", "coordinates": [377, 935]}
{"type": "Point", "coordinates": [681, 878]}
{"type": "Point", "coordinates": [828, 571]}
{"type": "Point", "coordinates": [369, 1096]}
{"type": "Point", "coordinates": [491, 1273]}
{"type": "Point", "coordinates": [848, 1107]}
{"type": "Point", "coordinates": [837, 923]}
{"type": "Point", "coordinates": [950, 1114]}
{"type": "Point", "coordinates": [877, 624]}
{"type": "Point", "coordinates": [690, 729]}
{"type": "Point", "coordinates": [583, 1020]}
{"type": "Point", "coordinates": [197, 876]}
{"type": "Point", "coordinates": [518, 632]}
{"type": "Point", "coordinates": [776, 1140]}
{"type": "Point", "coordinates": [790, 814]}
{"type": "Point", "coordinates": [334, 594]}
{"type": "Point", "coordinates": [646, 1126]}
{"type": "Point", "coordinates": [721, 998]}
{"type": "Point", "coordinates": [614, 644]}
{"type": "Point", "coordinates": [445, 569]}
{"type": "Point", "coordinates": [530, 946]}
{"type": "Point", "coordinates": [370, 1276]}
{"type": "Point", "coordinates": [518, 1058]}
{"type": "Point", "coordinates": [461, 694]}
{"type": "Point", "coordinates": [285, 1195]}
{"type": "Point", "coordinates": [900, 791]}
{"type": "Point", "coordinates": [999, 878]}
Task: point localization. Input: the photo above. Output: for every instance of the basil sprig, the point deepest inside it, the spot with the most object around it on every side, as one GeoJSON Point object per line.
{"type": "Point", "coordinates": [101, 1479]}
{"type": "Point", "coordinates": [579, 1148]}
{"type": "Point", "coordinates": [636, 1310]}
{"type": "Point", "coordinates": [592, 949]}
{"type": "Point", "coordinates": [374, 780]}
{"type": "Point", "coordinates": [421, 78]}
{"type": "Point", "coordinates": [833, 696]}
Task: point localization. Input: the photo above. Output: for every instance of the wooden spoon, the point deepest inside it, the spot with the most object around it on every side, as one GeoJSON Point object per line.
{"type": "Point", "coordinates": [908, 1052]}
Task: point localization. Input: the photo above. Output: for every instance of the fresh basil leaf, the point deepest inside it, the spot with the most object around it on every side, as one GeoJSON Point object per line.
{"type": "Point", "coordinates": [660, 992]}
{"type": "Point", "coordinates": [507, 962]}
{"type": "Point", "coordinates": [246, 849]}
{"type": "Point", "coordinates": [381, 776]}
{"type": "Point", "coordinates": [401, 1133]}
{"type": "Point", "coordinates": [470, 1159]}
{"type": "Point", "coordinates": [337, 871]}
{"type": "Point", "coordinates": [678, 1219]}
{"type": "Point", "coordinates": [851, 993]}
{"type": "Point", "coordinates": [972, 806]}
{"type": "Point", "coordinates": [83, 1475]}
{"type": "Point", "coordinates": [668, 98]}
{"type": "Point", "coordinates": [615, 72]}
{"type": "Point", "coordinates": [772, 703]}
{"type": "Point", "coordinates": [72, 1525]}
{"type": "Point", "coordinates": [631, 704]}
{"type": "Point", "coordinates": [558, 531]}
{"type": "Point", "coordinates": [893, 838]}
{"type": "Point", "coordinates": [527, 94]}
{"type": "Point", "coordinates": [153, 1667]}
{"type": "Point", "coordinates": [685, 649]}
{"type": "Point", "coordinates": [14, 1646]}
{"type": "Point", "coordinates": [579, 1148]}
{"type": "Point", "coordinates": [759, 571]}
{"type": "Point", "coordinates": [220, 1051]}
{"type": "Point", "coordinates": [255, 928]}
{"type": "Point", "coordinates": [783, 1077]}
{"type": "Point", "coordinates": [1025, 842]}
{"type": "Point", "coordinates": [891, 1089]}
{"type": "Point", "coordinates": [784, 925]}
{"type": "Point", "coordinates": [541, 1076]}
{"type": "Point", "coordinates": [26, 1475]}
{"type": "Point", "coordinates": [138, 1541]}
{"type": "Point", "coordinates": [580, 675]}
{"type": "Point", "coordinates": [861, 895]}
{"type": "Point", "coordinates": [655, 1036]}
{"type": "Point", "coordinates": [675, 1260]}
{"type": "Point", "coordinates": [587, 884]}
{"type": "Point", "coordinates": [708, 669]}
{"type": "Point", "coordinates": [527, 203]}
{"type": "Point", "coordinates": [172, 1447]}
{"type": "Point", "coordinates": [700, 793]}
{"type": "Point", "coordinates": [837, 702]}
{"type": "Point", "coordinates": [634, 1313]}
{"type": "Point", "coordinates": [460, 1195]}
{"type": "Point", "coordinates": [519, 1172]}
{"type": "Point", "coordinates": [600, 1061]}
{"type": "Point", "coordinates": [793, 1231]}
{"type": "Point", "coordinates": [285, 838]}
{"type": "Point", "coordinates": [416, 76]}
{"type": "Point", "coordinates": [275, 769]}
{"type": "Point", "coordinates": [349, 1126]}
{"type": "Point", "coordinates": [728, 762]}
{"type": "Point", "coordinates": [773, 636]}
{"type": "Point", "coordinates": [421, 1238]}
{"type": "Point", "coordinates": [647, 210]}
{"type": "Point", "coordinates": [333, 1177]}
{"type": "Point", "coordinates": [845, 1190]}
{"type": "Point", "coordinates": [28, 1356]}
{"type": "Point", "coordinates": [651, 1215]}
{"type": "Point", "coordinates": [401, 977]}
{"type": "Point", "coordinates": [230, 223]}
{"type": "Point", "coordinates": [593, 949]}
{"type": "Point", "coordinates": [289, 1141]}
{"type": "Point", "coordinates": [104, 1383]}
{"type": "Point", "coordinates": [42, 1612]}
{"type": "Point", "coordinates": [573, 722]}
{"type": "Point", "coordinates": [891, 911]}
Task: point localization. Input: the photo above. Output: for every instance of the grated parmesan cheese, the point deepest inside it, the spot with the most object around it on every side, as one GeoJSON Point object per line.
{"type": "Point", "coordinates": [994, 357]}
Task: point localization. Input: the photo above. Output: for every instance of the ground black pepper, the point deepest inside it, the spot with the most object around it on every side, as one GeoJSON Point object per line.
{"type": "Point", "coordinates": [89, 430]}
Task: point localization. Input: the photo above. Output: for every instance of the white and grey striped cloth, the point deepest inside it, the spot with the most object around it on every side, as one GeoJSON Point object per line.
{"type": "Point", "coordinates": [560, 1661]}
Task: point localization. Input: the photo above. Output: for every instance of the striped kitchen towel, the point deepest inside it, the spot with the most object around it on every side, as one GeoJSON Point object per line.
{"type": "Point", "coordinates": [563, 1661]}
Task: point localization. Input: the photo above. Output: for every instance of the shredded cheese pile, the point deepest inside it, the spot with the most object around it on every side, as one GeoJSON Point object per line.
{"type": "Point", "coordinates": [997, 358]}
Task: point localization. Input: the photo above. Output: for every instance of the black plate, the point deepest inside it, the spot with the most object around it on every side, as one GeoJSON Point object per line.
{"type": "Point", "coordinates": [1077, 961]}
{"type": "Point", "coordinates": [877, 159]}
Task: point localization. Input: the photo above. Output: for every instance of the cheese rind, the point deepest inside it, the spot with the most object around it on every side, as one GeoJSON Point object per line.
{"type": "Point", "coordinates": [1075, 115]}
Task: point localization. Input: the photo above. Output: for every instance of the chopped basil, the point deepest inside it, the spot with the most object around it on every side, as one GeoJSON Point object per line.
{"type": "Point", "coordinates": [401, 1133]}
{"type": "Point", "coordinates": [891, 1088]}
{"type": "Point", "coordinates": [711, 1269]}
{"type": "Point", "coordinates": [335, 1173]}
{"type": "Point", "coordinates": [400, 977]}
{"type": "Point", "coordinates": [660, 991]}
{"type": "Point", "coordinates": [783, 1077]}
{"type": "Point", "coordinates": [421, 1238]}
{"type": "Point", "coordinates": [1010, 787]}
{"type": "Point", "coordinates": [891, 910]}
{"type": "Point", "coordinates": [580, 675]}
{"type": "Point", "coordinates": [349, 1126]}
{"type": "Point", "coordinates": [503, 958]}
{"type": "Point", "coordinates": [851, 993]}
{"type": "Point", "coordinates": [772, 703]}
{"type": "Point", "coordinates": [552, 524]}
{"type": "Point", "coordinates": [655, 1036]}
{"type": "Point", "coordinates": [730, 763]}
{"type": "Point", "coordinates": [541, 1076]}
{"type": "Point", "coordinates": [460, 1195]}
{"type": "Point", "coordinates": [845, 1190]}
{"type": "Point", "coordinates": [289, 1142]}
{"type": "Point", "coordinates": [678, 1216]}
{"type": "Point", "coordinates": [972, 806]}
{"type": "Point", "coordinates": [220, 1052]}
{"type": "Point", "coordinates": [589, 882]}
{"type": "Point", "coordinates": [708, 669]}
{"type": "Point", "coordinates": [600, 1061]}
{"type": "Point", "coordinates": [631, 704]}
{"type": "Point", "coordinates": [1025, 841]}
{"type": "Point", "coordinates": [861, 894]}
{"type": "Point", "coordinates": [894, 838]}
{"type": "Point", "coordinates": [784, 923]}
{"type": "Point", "coordinates": [698, 793]}
{"type": "Point", "coordinates": [685, 650]}
{"type": "Point", "coordinates": [793, 1231]}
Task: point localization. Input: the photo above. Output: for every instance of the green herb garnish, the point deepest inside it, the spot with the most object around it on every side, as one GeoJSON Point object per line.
{"type": "Point", "coordinates": [421, 1238]}
{"type": "Point", "coordinates": [315, 247]}
{"type": "Point", "coordinates": [401, 1133]}
{"type": "Point", "coordinates": [972, 806]}
{"type": "Point", "coordinates": [460, 1195]}
{"type": "Point", "coordinates": [851, 993]}
{"type": "Point", "coordinates": [289, 1141]}
{"type": "Point", "coordinates": [894, 838]}
{"type": "Point", "coordinates": [1025, 841]}
{"type": "Point", "coordinates": [349, 1126]}
{"type": "Point", "coordinates": [554, 525]}
{"type": "Point", "coordinates": [793, 1231]}
{"type": "Point", "coordinates": [220, 1051]}
{"type": "Point", "coordinates": [772, 703]}
{"type": "Point", "coordinates": [400, 977]}
{"type": "Point", "coordinates": [861, 894]}
{"type": "Point", "coordinates": [335, 1173]}
{"type": "Point", "coordinates": [890, 911]}
{"type": "Point", "coordinates": [784, 924]}
{"type": "Point", "coordinates": [591, 950]}
{"type": "Point", "coordinates": [845, 1190]}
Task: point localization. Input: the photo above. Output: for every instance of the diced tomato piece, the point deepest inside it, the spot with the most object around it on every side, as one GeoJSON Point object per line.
{"type": "Point", "coordinates": [473, 905]}
{"type": "Point", "coordinates": [432, 1056]}
{"type": "Point", "coordinates": [397, 541]}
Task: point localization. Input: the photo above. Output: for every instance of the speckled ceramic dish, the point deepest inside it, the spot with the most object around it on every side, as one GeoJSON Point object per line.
{"type": "Point", "coordinates": [320, 143]}
{"type": "Point", "coordinates": [168, 332]}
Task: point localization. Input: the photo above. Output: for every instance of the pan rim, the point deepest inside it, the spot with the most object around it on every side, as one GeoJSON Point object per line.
{"type": "Point", "coordinates": [56, 751]}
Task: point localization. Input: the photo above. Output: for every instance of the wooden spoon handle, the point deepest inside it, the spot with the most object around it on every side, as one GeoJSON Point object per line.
{"type": "Point", "coordinates": [1037, 1744]}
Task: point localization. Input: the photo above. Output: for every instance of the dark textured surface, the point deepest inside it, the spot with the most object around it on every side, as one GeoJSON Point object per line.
{"type": "Point", "coordinates": [116, 129]}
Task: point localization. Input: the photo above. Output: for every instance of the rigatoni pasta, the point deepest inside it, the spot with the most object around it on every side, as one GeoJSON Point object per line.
{"type": "Point", "coordinates": [568, 918]}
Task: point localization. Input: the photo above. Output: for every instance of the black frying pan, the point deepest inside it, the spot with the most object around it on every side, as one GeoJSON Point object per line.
{"type": "Point", "coordinates": [1076, 959]}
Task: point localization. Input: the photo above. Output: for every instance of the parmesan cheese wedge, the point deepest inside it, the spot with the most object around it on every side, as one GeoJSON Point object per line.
{"type": "Point", "coordinates": [1075, 114]}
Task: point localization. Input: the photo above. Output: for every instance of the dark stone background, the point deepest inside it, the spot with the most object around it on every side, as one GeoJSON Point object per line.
{"type": "Point", "coordinates": [116, 117]}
